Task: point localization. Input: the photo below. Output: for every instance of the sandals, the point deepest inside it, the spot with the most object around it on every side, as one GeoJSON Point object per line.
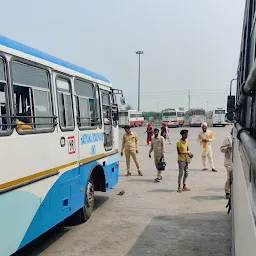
{"type": "Point", "coordinates": [183, 189]}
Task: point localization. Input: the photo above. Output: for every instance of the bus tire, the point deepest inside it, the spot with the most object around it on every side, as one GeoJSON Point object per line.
{"type": "Point", "coordinates": [83, 214]}
{"type": "Point", "coordinates": [87, 209]}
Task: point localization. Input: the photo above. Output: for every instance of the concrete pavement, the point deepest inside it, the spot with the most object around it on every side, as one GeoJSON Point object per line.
{"type": "Point", "coordinates": [152, 218]}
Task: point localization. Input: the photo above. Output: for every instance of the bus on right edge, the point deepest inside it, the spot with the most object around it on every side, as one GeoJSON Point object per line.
{"type": "Point", "coordinates": [242, 108]}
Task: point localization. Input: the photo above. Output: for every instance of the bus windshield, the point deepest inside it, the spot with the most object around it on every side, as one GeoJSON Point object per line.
{"type": "Point", "coordinates": [220, 111]}
{"type": "Point", "coordinates": [169, 114]}
{"type": "Point", "coordinates": [198, 112]}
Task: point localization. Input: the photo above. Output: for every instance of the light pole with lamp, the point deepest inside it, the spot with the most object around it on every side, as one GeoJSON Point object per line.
{"type": "Point", "coordinates": [139, 53]}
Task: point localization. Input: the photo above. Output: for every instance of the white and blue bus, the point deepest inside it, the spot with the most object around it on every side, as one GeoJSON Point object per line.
{"type": "Point", "coordinates": [243, 172]}
{"type": "Point", "coordinates": [58, 142]}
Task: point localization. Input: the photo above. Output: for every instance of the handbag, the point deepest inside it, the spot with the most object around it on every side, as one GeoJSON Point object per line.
{"type": "Point", "coordinates": [161, 165]}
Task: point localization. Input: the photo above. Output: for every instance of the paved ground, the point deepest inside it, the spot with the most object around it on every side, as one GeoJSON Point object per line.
{"type": "Point", "coordinates": [152, 218]}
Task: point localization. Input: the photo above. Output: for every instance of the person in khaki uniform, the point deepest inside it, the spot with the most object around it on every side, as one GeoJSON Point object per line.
{"type": "Point", "coordinates": [158, 146]}
{"type": "Point", "coordinates": [227, 149]}
{"type": "Point", "coordinates": [130, 145]}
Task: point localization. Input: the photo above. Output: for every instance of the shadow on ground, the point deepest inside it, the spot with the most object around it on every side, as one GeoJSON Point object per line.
{"type": "Point", "coordinates": [163, 190]}
{"type": "Point", "coordinates": [36, 247]}
{"type": "Point", "coordinates": [142, 180]}
{"type": "Point", "coordinates": [203, 198]}
{"type": "Point", "coordinates": [202, 234]}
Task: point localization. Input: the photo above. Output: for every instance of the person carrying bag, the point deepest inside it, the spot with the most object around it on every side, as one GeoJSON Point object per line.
{"type": "Point", "coordinates": [158, 146]}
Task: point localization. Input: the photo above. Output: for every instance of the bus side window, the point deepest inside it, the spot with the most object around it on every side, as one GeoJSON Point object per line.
{"type": "Point", "coordinates": [98, 106]}
{"type": "Point", "coordinates": [64, 96]}
{"type": "Point", "coordinates": [87, 114]}
{"type": "Point", "coordinates": [106, 105]}
{"type": "Point", "coordinates": [115, 113]}
{"type": "Point", "coordinates": [4, 121]}
{"type": "Point", "coordinates": [33, 102]}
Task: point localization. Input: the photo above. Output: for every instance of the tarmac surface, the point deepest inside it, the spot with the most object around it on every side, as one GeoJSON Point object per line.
{"type": "Point", "coordinates": [152, 219]}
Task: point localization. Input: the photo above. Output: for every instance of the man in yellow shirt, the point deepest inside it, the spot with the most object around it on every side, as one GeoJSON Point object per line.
{"type": "Point", "coordinates": [130, 145]}
{"type": "Point", "coordinates": [205, 138]}
{"type": "Point", "coordinates": [183, 152]}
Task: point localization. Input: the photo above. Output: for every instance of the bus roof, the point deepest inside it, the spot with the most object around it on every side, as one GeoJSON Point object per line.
{"type": "Point", "coordinates": [47, 57]}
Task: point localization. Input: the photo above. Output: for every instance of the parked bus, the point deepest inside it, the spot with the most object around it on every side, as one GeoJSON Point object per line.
{"type": "Point", "coordinates": [218, 117]}
{"type": "Point", "coordinates": [243, 173]}
{"type": "Point", "coordinates": [131, 117]}
{"type": "Point", "coordinates": [56, 150]}
{"type": "Point", "coordinates": [196, 116]}
{"type": "Point", "coordinates": [123, 118]}
{"type": "Point", "coordinates": [180, 117]}
{"type": "Point", "coordinates": [169, 116]}
{"type": "Point", "coordinates": [136, 118]}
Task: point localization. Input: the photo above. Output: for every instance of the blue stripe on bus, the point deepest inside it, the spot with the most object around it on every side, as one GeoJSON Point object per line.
{"type": "Point", "coordinates": [30, 216]}
{"type": "Point", "coordinates": [52, 210]}
{"type": "Point", "coordinates": [44, 56]}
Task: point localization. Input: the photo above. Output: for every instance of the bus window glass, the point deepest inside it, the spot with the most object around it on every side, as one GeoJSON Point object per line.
{"type": "Point", "coordinates": [85, 100]}
{"type": "Point", "coordinates": [29, 75]}
{"type": "Point", "coordinates": [32, 96]}
{"type": "Point", "coordinates": [219, 111]}
{"type": "Point", "coordinates": [42, 108]}
{"type": "Point", "coordinates": [65, 104]}
{"type": "Point", "coordinates": [169, 114]}
{"type": "Point", "coordinates": [3, 119]}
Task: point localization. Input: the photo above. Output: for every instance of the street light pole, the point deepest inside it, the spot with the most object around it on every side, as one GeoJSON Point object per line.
{"type": "Point", "coordinates": [230, 89]}
{"type": "Point", "coordinates": [139, 53]}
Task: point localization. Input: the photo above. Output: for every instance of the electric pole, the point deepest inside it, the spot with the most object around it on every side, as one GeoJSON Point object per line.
{"type": "Point", "coordinates": [139, 53]}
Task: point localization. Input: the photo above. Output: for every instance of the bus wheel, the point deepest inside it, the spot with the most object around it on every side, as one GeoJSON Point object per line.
{"type": "Point", "coordinates": [87, 209]}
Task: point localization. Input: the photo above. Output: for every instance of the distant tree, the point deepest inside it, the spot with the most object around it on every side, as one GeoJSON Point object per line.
{"type": "Point", "coordinates": [181, 108]}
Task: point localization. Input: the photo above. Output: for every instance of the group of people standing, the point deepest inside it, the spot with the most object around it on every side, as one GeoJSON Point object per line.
{"type": "Point", "coordinates": [156, 138]}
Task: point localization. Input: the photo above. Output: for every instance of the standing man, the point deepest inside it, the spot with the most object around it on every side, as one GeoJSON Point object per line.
{"type": "Point", "coordinates": [130, 145]}
{"type": "Point", "coordinates": [158, 146]}
{"type": "Point", "coordinates": [227, 149]}
{"type": "Point", "coordinates": [204, 138]}
{"type": "Point", "coordinates": [183, 153]}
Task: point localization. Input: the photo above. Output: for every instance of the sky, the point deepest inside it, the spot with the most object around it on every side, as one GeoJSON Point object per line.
{"type": "Point", "coordinates": [188, 45]}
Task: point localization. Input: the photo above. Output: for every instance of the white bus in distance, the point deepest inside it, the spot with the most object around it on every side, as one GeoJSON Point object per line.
{"type": "Point", "coordinates": [169, 117]}
{"type": "Point", "coordinates": [218, 117]}
{"type": "Point", "coordinates": [196, 116]}
{"type": "Point", "coordinates": [57, 146]}
{"type": "Point", "coordinates": [131, 117]}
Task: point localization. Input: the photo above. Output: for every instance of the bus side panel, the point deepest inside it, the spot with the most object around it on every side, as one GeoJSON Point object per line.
{"type": "Point", "coordinates": [111, 170]}
{"type": "Point", "coordinates": [65, 197]}
{"type": "Point", "coordinates": [245, 233]}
